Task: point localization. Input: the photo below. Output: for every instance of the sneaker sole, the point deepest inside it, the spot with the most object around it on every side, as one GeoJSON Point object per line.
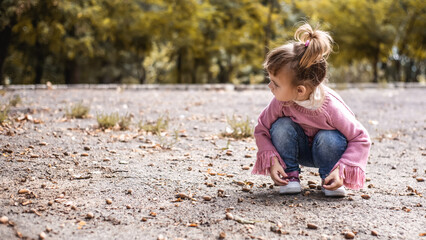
{"type": "Point", "coordinates": [291, 191]}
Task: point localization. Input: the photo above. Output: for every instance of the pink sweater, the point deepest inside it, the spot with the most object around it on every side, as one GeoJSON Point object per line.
{"type": "Point", "coordinates": [333, 114]}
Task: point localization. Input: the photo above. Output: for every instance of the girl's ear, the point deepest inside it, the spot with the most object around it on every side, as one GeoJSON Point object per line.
{"type": "Point", "coordinates": [301, 90]}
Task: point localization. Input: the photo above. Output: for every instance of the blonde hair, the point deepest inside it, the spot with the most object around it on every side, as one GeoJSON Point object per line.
{"type": "Point", "coordinates": [307, 56]}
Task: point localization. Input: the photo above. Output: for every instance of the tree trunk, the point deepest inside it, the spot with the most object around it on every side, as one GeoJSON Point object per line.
{"type": "Point", "coordinates": [71, 72]}
{"type": "Point", "coordinates": [268, 32]}
{"type": "Point", "coordinates": [179, 64]}
{"type": "Point", "coordinates": [39, 63]}
{"type": "Point", "coordinates": [375, 62]}
{"type": "Point", "coordinates": [5, 38]}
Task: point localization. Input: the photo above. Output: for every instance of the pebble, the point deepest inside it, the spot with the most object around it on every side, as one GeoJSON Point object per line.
{"type": "Point", "coordinates": [144, 219]}
{"type": "Point", "coordinates": [161, 237]}
{"type": "Point", "coordinates": [246, 189]}
{"type": "Point", "coordinates": [207, 198]}
{"type": "Point", "coordinates": [4, 220]}
{"type": "Point", "coordinates": [128, 207]}
{"type": "Point", "coordinates": [222, 235]}
{"type": "Point", "coordinates": [312, 186]}
{"type": "Point", "coordinates": [365, 196]}
{"type": "Point", "coordinates": [420, 179]}
{"type": "Point", "coordinates": [374, 233]}
{"type": "Point", "coordinates": [42, 235]}
{"type": "Point", "coordinates": [311, 182]}
{"type": "Point", "coordinates": [229, 216]}
{"type": "Point", "coordinates": [108, 201]}
{"type": "Point", "coordinates": [23, 191]}
{"type": "Point", "coordinates": [84, 155]}
{"type": "Point", "coordinates": [182, 196]}
{"type": "Point", "coordinates": [87, 148]}
{"type": "Point", "coordinates": [43, 143]}
{"type": "Point", "coordinates": [130, 191]}
{"type": "Point", "coordinates": [34, 156]}
{"type": "Point", "coordinates": [312, 226]}
{"type": "Point", "coordinates": [246, 168]}
{"type": "Point", "coordinates": [349, 235]}
{"type": "Point", "coordinates": [248, 156]}
{"type": "Point", "coordinates": [89, 215]}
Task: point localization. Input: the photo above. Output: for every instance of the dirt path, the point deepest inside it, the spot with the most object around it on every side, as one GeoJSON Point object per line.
{"type": "Point", "coordinates": [88, 184]}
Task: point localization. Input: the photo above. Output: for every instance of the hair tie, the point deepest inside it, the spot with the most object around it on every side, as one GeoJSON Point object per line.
{"type": "Point", "coordinates": [307, 43]}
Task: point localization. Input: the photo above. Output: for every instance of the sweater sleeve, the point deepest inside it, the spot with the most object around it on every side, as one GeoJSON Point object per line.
{"type": "Point", "coordinates": [266, 149]}
{"type": "Point", "coordinates": [353, 162]}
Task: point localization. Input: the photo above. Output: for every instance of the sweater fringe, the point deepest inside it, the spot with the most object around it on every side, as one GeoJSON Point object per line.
{"type": "Point", "coordinates": [353, 177]}
{"type": "Point", "coordinates": [263, 163]}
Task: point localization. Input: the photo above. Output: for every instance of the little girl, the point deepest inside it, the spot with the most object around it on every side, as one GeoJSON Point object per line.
{"type": "Point", "coordinates": [306, 122]}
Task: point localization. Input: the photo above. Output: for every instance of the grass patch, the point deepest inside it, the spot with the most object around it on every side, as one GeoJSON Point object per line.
{"type": "Point", "coordinates": [78, 110]}
{"type": "Point", "coordinates": [15, 100]}
{"type": "Point", "coordinates": [125, 122]}
{"type": "Point", "coordinates": [238, 129]}
{"type": "Point", "coordinates": [4, 113]}
{"type": "Point", "coordinates": [162, 124]}
{"type": "Point", "coordinates": [106, 121]}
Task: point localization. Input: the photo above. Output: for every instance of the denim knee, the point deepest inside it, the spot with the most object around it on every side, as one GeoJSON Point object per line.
{"type": "Point", "coordinates": [283, 128]}
{"type": "Point", "coordinates": [330, 142]}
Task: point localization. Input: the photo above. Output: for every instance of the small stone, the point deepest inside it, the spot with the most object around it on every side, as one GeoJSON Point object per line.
{"type": "Point", "coordinates": [394, 167]}
{"type": "Point", "coordinates": [312, 226]}
{"type": "Point", "coordinates": [23, 191]}
{"type": "Point", "coordinates": [42, 236]}
{"type": "Point", "coordinates": [4, 220]}
{"type": "Point", "coordinates": [246, 168]}
{"type": "Point", "coordinates": [365, 196]}
{"type": "Point", "coordinates": [207, 198]}
{"type": "Point", "coordinates": [374, 233]}
{"type": "Point", "coordinates": [34, 156]}
{"type": "Point", "coordinates": [222, 235]}
{"type": "Point", "coordinates": [370, 186]}
{"type": "Point", "coordinates": [210, 185]}
{"type": "Point", "coordinates": [144, 219]}
{"type": "Point", "coordinates": [130, 191]}
{"type": "Point", "coordinates": [128, 207]}
{"type": "Point", "coordinates": [87, 148]}
{"type": "Point", "coordinates": [182, 196]}
{"type": "Point", "coordinates": [43, 143]}
{"type": "Point", "coordinates": [89, 215]}
{"type": "Point", "coordinates": [311, 182]}
{"type": "Point", "coordinates": [84, 154]}
{"type": "Point", "coordinates": [419, 179]}
{"type": "Point", "coordinates": [189, 169]}
{"type": "Point", "coordinates": [246, 189]}
{"type": "Point", "coordinates": [349, 235]}
{"type": "Point", "coordinates": [229, 216]}
{"type": "Point", "coordinates": [108, 201]}
{"type": "Point", "coordinates": [50, 203]}
{"type": "Point", "coordinates": [73, 207]}
{"type": "Point", "coordinates": [153, 214]}
{"type": "Point", "coordinates": [248, 156]}
{"type": "Point", "coordinates": [161, 237]}
{"type": "Point", "coordinates": [312, 186]}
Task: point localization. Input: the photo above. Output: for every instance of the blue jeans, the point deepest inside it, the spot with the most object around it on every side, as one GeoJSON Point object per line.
{"type": "Point", "coordinates": [293, 146]}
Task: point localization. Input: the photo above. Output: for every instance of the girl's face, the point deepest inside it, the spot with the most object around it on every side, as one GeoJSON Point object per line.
{"type": "Point", "coordinates": [281, 86]}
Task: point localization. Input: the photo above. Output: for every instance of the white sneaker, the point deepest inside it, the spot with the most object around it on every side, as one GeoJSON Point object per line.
{"type": "Point", "coordinates": [340, 192]}
{"type": "Point", "coordinates": [291, 188]}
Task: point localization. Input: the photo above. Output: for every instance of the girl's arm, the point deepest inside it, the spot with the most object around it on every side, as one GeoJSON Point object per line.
{"type": "Point", "coordinates": [266, 150]}
{"type": "Point", "coordinates": [353, 162]}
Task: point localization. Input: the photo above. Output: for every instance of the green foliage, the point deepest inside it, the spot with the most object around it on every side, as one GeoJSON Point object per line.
{"type": "Point", "coordinates": [238, 129]}
{"type": "Point", "coordinates": [107, 121]}
{"type": "Point", "coordinates": [78, 110]}
{"type": "Point", "coordinates": [156, 127]}
{"type": "Point", "coordinates": [215, 41]}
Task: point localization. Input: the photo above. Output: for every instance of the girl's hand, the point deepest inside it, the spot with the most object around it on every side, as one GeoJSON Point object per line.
{"type": "Point", "coordinates": [277, 173]}
{"type": "Point", "coordinates": [333, 181]}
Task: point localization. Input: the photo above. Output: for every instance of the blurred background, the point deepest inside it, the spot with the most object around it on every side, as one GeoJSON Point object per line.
{"type": "Point", "coordinates": [203, 41]}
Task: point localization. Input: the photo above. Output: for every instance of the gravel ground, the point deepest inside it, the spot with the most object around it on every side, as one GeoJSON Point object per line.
{"type": "Point", "coordinates": [78, 182]}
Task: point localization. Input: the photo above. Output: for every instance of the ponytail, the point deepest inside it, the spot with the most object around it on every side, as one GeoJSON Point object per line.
{"type": "Point", "coordinates": [317, 44]}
